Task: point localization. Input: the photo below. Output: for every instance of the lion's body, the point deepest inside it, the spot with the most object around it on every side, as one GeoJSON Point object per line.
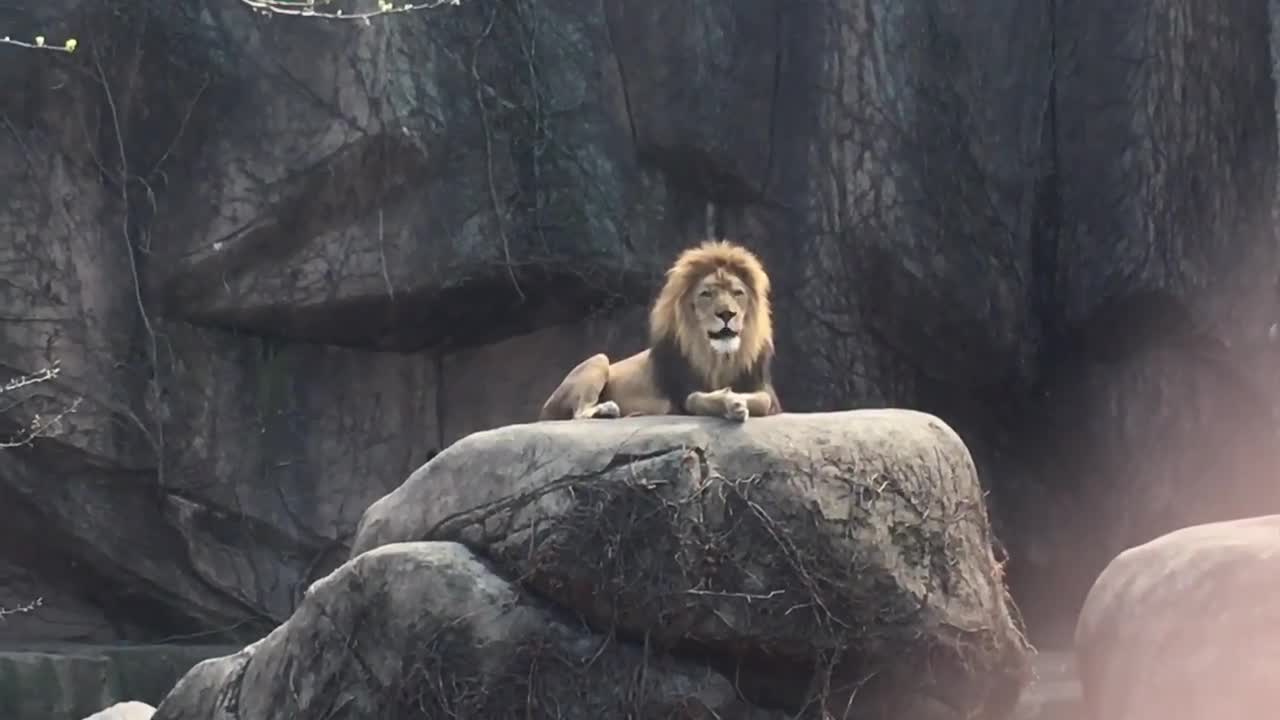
{"type": "Point", "coordinates": [710, 348]}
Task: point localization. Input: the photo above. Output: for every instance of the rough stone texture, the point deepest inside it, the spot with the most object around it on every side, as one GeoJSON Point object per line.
{"type": "Point", "coordinates": [63, 680]}
{"type": "Point", "coordinates": [41, 686]}
{"type": "Point", "coordinates": [986, 207]}
{"type": "Point", "coordinates": [857, 540]}
{"type": "Point", "coordinates": [427, 630]}
{"type": "Point", "coordinates": [201, 190]}
{"type": "Point", "coordinates": [387, 190]}
{"type": "Point", "coordinates": [1183, 627]}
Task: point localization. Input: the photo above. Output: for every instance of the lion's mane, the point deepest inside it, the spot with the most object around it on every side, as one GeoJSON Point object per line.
{"type": "Point", "coordinates": [672, 322]}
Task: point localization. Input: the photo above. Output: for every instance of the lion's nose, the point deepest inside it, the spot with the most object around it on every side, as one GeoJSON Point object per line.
{"type": "Point", "coordinates": [726, 315]}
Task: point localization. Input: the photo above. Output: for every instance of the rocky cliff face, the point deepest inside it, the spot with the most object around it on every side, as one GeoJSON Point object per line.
{"type": "Point", "coordinates": [283, 260]}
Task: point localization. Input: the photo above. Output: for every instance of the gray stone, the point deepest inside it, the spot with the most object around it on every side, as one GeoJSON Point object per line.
{"type": "Point", "coordinates": [427, 630]}
{"type": "Point", "coordinates": [444, 183]}
{"type": "Point", "coordinates": [1185, 627]}
{"type": "Point", "coordinates": [67, 680]}
{"type": "Point", "coordinates": [856, 540]}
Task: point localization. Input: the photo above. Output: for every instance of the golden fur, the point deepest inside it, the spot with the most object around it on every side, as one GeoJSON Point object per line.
{"type": "Point", "coordinates": [710, 348]}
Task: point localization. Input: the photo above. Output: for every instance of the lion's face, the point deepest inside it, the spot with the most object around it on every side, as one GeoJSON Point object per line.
{"type": "Point", "coordinates": [721, 305]}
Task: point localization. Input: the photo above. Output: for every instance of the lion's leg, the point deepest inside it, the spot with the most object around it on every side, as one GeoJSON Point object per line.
{"type": "Point", "coordinates": [606, 409]}
{"type": "Point", "coordinates": [719, 403]}
{"type": "Point", "coordinates": [728, 404]}
{"type": "Point", "coordinates": [759, 403]}
{"type": "Point", "coordinates": [578, 395]}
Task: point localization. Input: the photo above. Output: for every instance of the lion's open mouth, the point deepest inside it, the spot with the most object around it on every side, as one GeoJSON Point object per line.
{"type": "Point", "coordinates": [722, 334]}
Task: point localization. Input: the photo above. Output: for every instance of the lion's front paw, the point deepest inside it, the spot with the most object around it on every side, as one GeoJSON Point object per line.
{"type": "Point", "coordinates": [608, 409]}
{"type": "Point", "coordinates": [736, 409]}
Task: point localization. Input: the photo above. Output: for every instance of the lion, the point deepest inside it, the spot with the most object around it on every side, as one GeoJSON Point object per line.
{"type": "Point", "coordinates": [710, 348]}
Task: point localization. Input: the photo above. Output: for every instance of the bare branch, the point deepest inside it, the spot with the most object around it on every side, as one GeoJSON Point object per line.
{"type": "Point", "coordinates": [307, 8]}
{"type": "Point", "coordinates": [21, 381]}
{"type": "Point", "coordinates": [67, 47]}
{"type": "Point", "coordinates": [40, 425]}
{"type": "Point", "coordinates": [19, 610]}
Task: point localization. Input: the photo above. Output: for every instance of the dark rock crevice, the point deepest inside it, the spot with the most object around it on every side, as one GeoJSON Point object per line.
{"type": "Point", "coordinates": [141, 604]}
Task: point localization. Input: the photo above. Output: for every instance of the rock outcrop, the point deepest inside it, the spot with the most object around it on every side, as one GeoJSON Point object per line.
{"type": "Point", "coordinates": [428, 630]}
{"type": "Point", "coordinates": [264, 350]}
{"type": "Point", "coordinates": [826, 556]}
{"type": "Point", "coordinates": [279, 258]}
{"type": "Point", "coordinates": [1186, 627]}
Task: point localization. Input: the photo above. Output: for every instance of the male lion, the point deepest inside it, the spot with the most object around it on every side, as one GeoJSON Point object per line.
{"type": "Point", "coordinates": [710, 348]}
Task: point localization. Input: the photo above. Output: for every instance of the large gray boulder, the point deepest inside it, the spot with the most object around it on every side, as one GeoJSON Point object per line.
{"type": "Point", "coordinates": [427, 630]}
{"type": "Point", "coordinates": [808, 554]}
{"type": "Point", "coordinates": [1186, 626]}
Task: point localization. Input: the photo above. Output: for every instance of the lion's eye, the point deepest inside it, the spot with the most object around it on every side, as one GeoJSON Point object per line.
{"type": "Point", "coordinates": [739, 293]}
{"type": "Point", "coordinates": [705, 294]}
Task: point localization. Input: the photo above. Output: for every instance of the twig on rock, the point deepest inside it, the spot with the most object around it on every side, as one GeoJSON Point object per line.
{"type": "Point", "coordinates": [21, 609]}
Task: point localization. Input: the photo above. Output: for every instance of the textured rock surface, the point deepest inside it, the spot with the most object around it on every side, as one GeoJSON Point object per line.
{"type": "Point", "coordinates": [275, 207]}
{"type": "Point", "coordinates": [857, 540]}
{"type": "Point", "coordinates": [65, 680]}
{"type": "Point", "coordinates": [344, 197]}
{"type": "Point", "coordinates": [1184, 627]}
{"type": "Point", "coordinates": [427, 630]}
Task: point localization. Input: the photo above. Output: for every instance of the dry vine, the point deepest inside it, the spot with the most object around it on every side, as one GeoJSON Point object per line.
{"type": "Point", "coordinates": [39, 426]}
{"type": "Point", "coordinates": [728, 573]}
{"type": "Point", "coordinates": [21, 609]}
